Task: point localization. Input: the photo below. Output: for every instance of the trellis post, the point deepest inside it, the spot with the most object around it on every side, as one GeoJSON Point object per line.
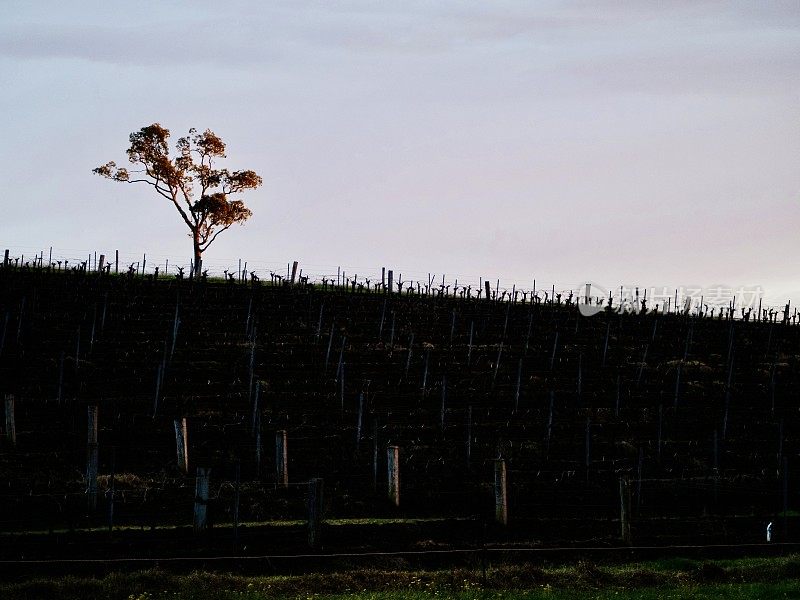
{"type": "Point", "coordinates": [92, 456]}
{"type": "Point", "coordinates": [500, 492]}
{"type": "Point", "coordinates": [282, 458]}
{"type": "Point", "coordinates": [201, 501]}
{"type": "Point", "coordinates": [182, 444]}
{"type": "Point", "coordinates": [393, 473]}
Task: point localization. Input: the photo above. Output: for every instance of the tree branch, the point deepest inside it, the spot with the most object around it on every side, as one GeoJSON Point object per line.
{"type": "Point", "coordinates": [208, 243]}
{"type": "Point", "coordinates": [158, 189]}
{"type": "Point", "coordinates": [183, 214]}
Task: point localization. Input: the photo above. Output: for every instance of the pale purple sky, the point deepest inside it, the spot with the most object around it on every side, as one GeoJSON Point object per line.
{"type": "Point", "coordinates": [649, 143]}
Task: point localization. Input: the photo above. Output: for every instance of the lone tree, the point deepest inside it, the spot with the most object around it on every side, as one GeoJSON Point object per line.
{"type": "Point", "coordinates": [189, 180]}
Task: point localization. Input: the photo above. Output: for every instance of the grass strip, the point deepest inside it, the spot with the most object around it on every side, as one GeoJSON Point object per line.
{"type": "Point", "coordinates": [669, 578]}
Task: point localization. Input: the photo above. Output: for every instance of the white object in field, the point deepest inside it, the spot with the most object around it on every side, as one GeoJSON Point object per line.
{"type": "Point", "coordinates": [587, 310]}
{"type": "Point", "coordinates": [769, 531]}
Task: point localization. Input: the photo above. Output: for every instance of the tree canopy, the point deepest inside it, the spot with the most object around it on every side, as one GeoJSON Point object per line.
{"type": "Point", "coordinates": [189, 179]}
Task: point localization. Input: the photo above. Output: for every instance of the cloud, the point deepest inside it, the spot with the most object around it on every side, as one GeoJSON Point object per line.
{"type": "Point", "coordinates": [157, 45]}
{"type": "Point", "coordinates": [244, 35]}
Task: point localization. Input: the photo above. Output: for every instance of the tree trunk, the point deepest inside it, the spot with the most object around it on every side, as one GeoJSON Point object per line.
{"type": "Point", "coordinates": [198, 256]}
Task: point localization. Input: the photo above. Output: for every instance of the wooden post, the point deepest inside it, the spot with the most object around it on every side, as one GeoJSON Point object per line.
{"type": "Point", "coordinates": [625, 509]}
{"type": "Point", "coordinates": [488, 290]}
{"type": "Point", "coordinates": [102, 262]}
{"type": "Point", "coordinates": [500, 492]}
{"type": "Point", "coordinates": [294, 271]}
{"type": "Point", "coordinates": [11, 427]}
{"type": "Point", "coordinates": [201, 501]}
{"type": "Point", "coordinates": [91, 460]}
{"type": "Point", "coordinates": [5, 259]}
{"type": "Point", "coordinates": [182, 444]}
{"type": "Point", "coordinates": [390, 280]}
{"type": "Point", "coordinates": [281, 458]}
{"type": "Point", "coordinates": [315, 491]}
{"type": "Point", "coordinates": [116, 261]}
{"type": "Point", "coordinates": [393, 472]}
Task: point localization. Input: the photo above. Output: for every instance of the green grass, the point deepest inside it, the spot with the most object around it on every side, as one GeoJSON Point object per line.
{"type": "Point", "coordinates": [247, 524]}
{"type": "Point", "coordinates": [663, 579]}
{"type": "Point", "coordinates": [702, 592]}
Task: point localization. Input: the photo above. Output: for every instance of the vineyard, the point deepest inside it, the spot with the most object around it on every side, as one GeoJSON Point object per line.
{"type": "Point", "coordinates": [149, 416]}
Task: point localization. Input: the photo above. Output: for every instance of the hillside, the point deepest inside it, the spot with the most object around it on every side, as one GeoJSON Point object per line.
{"type": "Point", "coordinates": [699, 415]}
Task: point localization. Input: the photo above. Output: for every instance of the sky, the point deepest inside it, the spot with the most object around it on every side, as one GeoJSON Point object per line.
{"type": "Point", "coordinates": [621, 143]}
